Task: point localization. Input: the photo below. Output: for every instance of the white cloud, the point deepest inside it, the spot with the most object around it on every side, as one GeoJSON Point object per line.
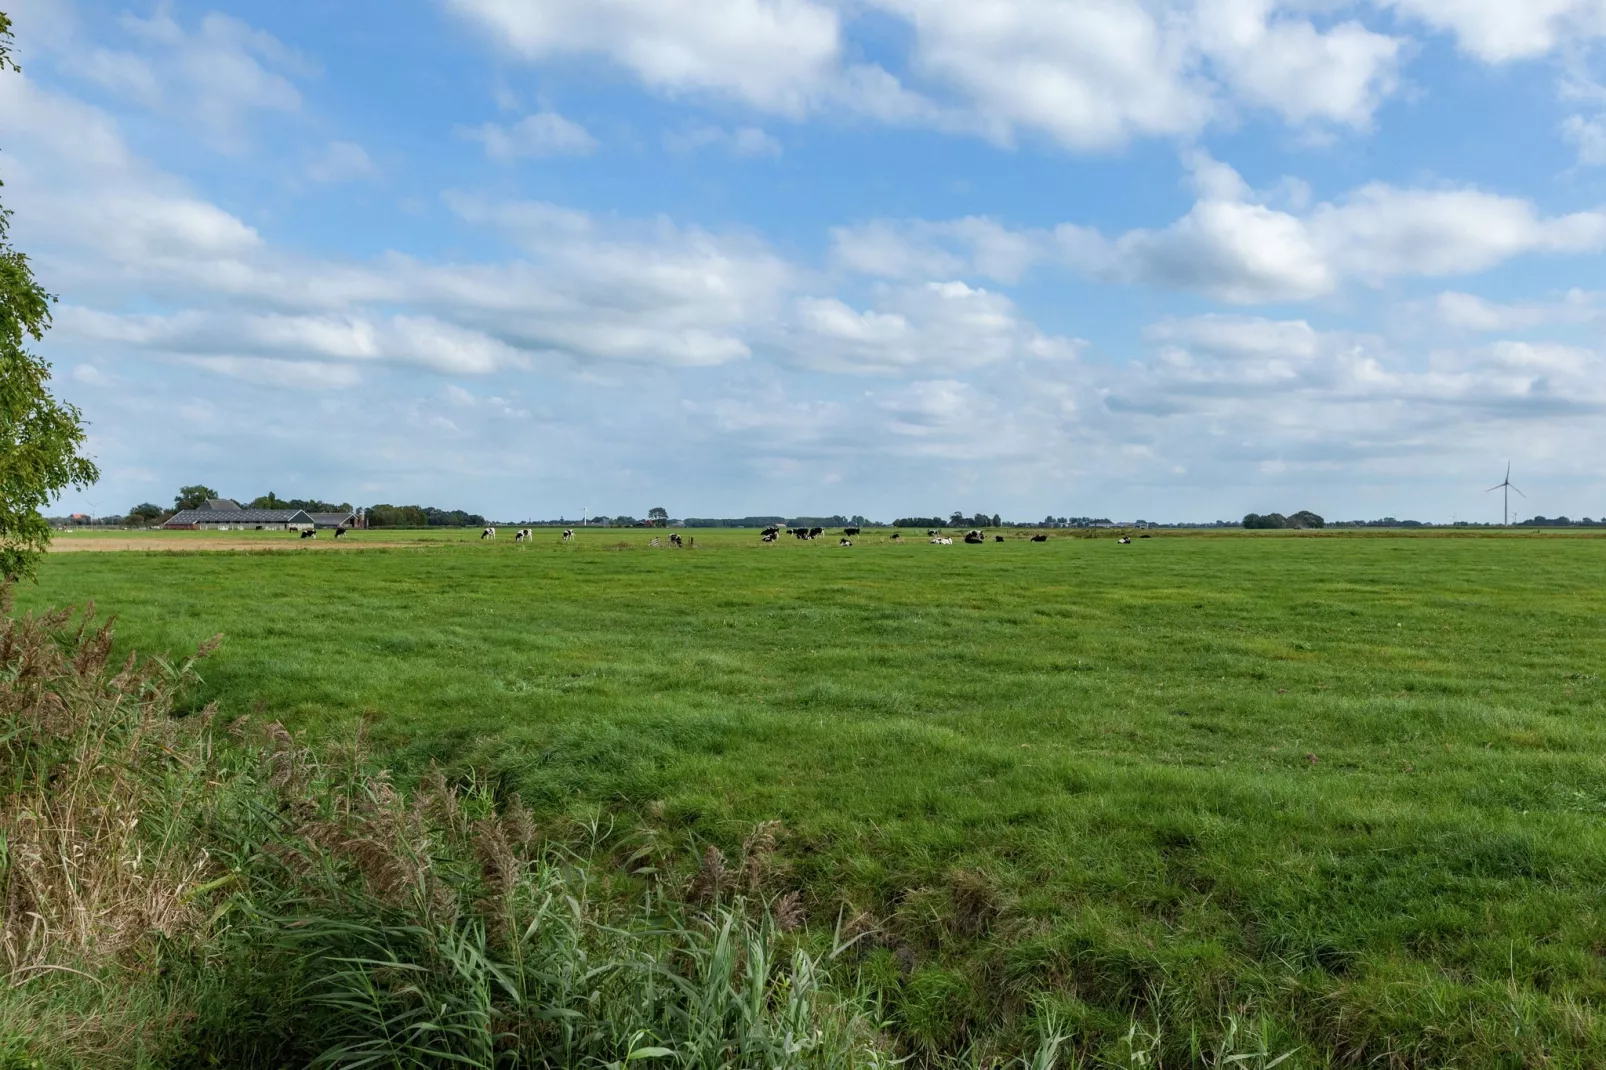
{"type": "Point", "coordinates": [1588, 136]}
{"type": "Point", "coordinates": [975, 246]}
{"type": "Point", "coordinates": [1089, 74]}
{"type": "Point", "coordinates": [1498, 31]}
{"type": "Point", "coordinates": [341, 161]}
{"type": "Point", "coordinates": [217, 74]}
{"type": "Point", "coordinates": [940, 327]}
{"type": "Point", "coordinates": [746, 141]}
{"type": "Point", "coordinates": [542, 134]}
{"type": "Point", "coordinates": [1284, 64]}
{"type": "Point", "coordinates": [1469, 312]}
{"type": "Point", "coordinates": [773, 54]}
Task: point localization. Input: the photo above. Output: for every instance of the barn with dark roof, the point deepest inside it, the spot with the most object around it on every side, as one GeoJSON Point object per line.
{"type": "Point", "coordinates": [222, 514]}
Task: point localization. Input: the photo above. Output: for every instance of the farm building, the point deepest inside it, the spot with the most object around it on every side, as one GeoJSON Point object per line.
{"type": "Point", "coordinates": [221, 514]}
{"type": "Point", "coordinates": [345, 519]}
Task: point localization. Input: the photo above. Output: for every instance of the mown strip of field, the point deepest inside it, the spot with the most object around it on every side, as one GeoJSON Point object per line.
{"type": "Point", "coordinates": [1350, 788]}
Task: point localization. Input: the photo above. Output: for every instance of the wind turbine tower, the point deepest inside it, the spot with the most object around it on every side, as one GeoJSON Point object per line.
{"type": "Point", "coordinates": [1507, 486]}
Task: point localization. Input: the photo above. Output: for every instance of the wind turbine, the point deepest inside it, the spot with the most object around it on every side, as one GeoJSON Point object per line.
{"type": "Point", "coordinates": [1508, 487]}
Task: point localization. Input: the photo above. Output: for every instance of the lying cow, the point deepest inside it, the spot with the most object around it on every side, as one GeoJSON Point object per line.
{"type": "Point", "coordinates": [309, 534]}
{"type": "Point", "coordinates": [844, 542]}
{"type": "Point", "coordinates": [975, 538]}
{"type": "Point", "coordinates": [942, 542]}
{"type": "Point", "coordinates": [1039, 538]}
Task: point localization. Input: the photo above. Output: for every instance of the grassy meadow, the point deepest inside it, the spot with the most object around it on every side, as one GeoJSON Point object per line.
{"type": "Point", "coordinates": [1340, 797]}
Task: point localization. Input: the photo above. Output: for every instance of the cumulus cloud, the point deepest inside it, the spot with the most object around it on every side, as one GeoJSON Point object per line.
{"type": "Point", "coordinates": [937, 327]}
{"type": "Point", "coordinates": [542, 134]}
{"type": "Point", "coordinates": [1234, 246]}
{"type": "Point", "coordinates": [771, 53]}
{"type": "Point", "coordinates": [1499, 31]}
{"type": "Point", "coordinates": [1088, 74]}
{"type": "Point", "coordinates": [1469, 312]}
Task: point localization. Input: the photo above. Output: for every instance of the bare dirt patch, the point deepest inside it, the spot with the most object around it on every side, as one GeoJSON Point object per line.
{"type": "Point", "coordinates": [94, 545]}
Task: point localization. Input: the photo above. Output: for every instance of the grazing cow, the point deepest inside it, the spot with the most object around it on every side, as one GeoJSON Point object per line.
{"type": "Point", "coordinates": [815, 533]}
{"type": "Point", "coordinates": [942, 542]}
{"type": "Point", "coordinates": [998, 538]}
{"type": "Point", "coordinates": [850, 531]}
{"type": "Point", "coordinates": [1039, 538]}
{"type": "Point", "coordinates": [844, 542]}
{"type": "Point", "coordinates": [309, 534]}
{"type": "Point", "coordinates": [521, 534]}
{"type": "Point", "coordinates": [897, 536]}
{"type": "Point", "coordinates": [674, 539]}
{"type": "Point", "coordinates": [340, 532]}
{"type": "Point", "coordinates": [568, 533]}
{"type": "Point", "coordinates": [488, 533]}
{"type": "Point", "coordinates": [773, 529]}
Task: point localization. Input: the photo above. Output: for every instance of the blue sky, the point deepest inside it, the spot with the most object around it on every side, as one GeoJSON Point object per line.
{"type": "Point", "coordinates": [1169, 259]}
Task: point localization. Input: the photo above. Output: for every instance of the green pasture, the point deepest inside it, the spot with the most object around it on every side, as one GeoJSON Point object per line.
{"type": "Point", "coordinates": [1343, 795]}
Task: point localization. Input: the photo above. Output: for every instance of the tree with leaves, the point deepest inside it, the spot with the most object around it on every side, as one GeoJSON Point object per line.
{"type": "Point", "coordinates": [193, 497]}
{"type": "Point", "coordinates": [658, 515]}
{"type": "Point", "coordinates": [40, 437]}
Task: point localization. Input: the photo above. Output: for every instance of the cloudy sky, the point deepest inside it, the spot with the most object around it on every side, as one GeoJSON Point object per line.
{"type": "Point", "coordinates": [1170, 259]}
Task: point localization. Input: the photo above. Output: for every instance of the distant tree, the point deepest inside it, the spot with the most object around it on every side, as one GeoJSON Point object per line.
{"type": "Point", "coordinates": [1306, 519]}
{"type": "Point", "coordinates": [40, 437]}
{"type": "Point", "coordinates": [658, 515]}
{"type": "Point", "coordinates": [957, 519]}
{"type": "Point", "coordinates": [146, 512]}
{"type": "Point", "coordinates": [269, 500]}
{"type": "Point", "coordinates": [1268, 521]}
{"type": "Point", "coordinates": [624, 521]}
{"type": "Point", "coordinates": [193, 497]}
{"type": "Point", "coordinates": [998, 521]}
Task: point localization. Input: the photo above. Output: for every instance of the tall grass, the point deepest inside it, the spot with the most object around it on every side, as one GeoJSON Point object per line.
{"type": "Point", "coordinates": [177, 896]}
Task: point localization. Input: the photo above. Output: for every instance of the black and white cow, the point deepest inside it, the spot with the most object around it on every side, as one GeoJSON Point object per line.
{"type": "Point", "coordinates": [309, 534]}
{"type": "Point", "coordinates": [340, 533]}
{"type": "Point", "coordinates": [488, 533]}
{"type": "Point", "coordinates": [850, 531]}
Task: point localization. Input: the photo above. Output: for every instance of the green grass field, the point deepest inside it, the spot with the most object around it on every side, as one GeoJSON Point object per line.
{"type": "Point", "coordinates": [1343, 794]}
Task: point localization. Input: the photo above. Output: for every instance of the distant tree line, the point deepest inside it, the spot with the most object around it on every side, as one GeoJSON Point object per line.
{"type": "Point", "coordinates": [1302, 519]}
{"type": "Point", "coordinates": [421, 516]}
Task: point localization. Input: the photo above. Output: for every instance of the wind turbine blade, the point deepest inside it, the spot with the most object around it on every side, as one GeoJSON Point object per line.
{"type": "Point", "coordinates": [1497, 486]}
{"type": "Point", "coordinates": [1514, 487]}
{"type": "Point", "coordinates": [1508, 471]}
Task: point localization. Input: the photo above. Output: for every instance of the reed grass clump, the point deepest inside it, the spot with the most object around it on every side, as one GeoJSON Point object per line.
{"type": "Point", "coordinates": [176, 894]}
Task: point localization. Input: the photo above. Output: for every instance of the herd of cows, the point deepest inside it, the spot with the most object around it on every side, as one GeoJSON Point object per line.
{"type": "Point", "coordinates": [975, 536]}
